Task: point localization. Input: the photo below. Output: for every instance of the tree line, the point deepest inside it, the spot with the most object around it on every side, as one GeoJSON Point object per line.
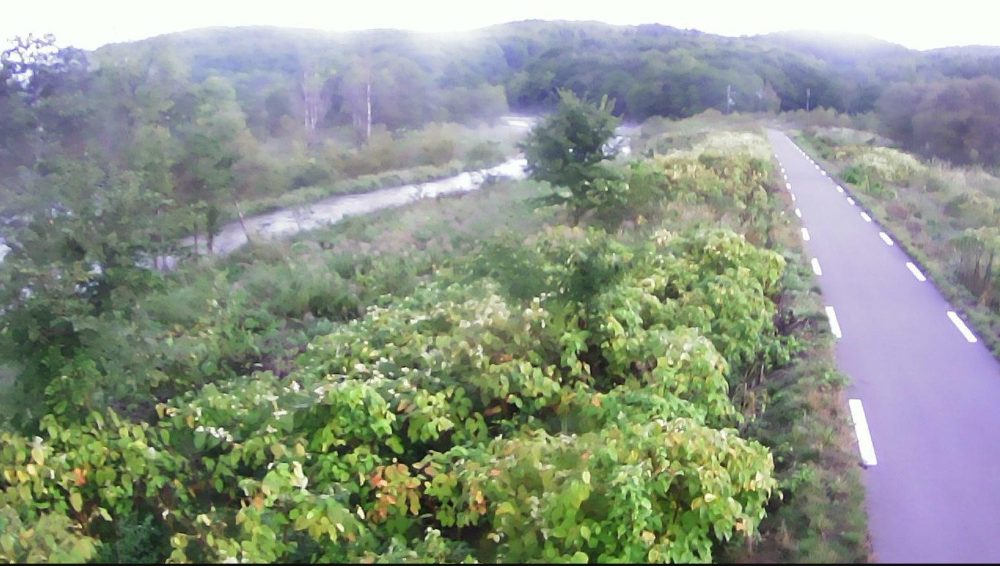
{"type": "Point", "coordinates": [280, 84]}
{"type": "Point", "coordinates": [955, 119]}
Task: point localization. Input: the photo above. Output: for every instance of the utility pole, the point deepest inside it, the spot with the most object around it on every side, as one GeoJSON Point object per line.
{"type": "Point", "coordinates": [807, 98]}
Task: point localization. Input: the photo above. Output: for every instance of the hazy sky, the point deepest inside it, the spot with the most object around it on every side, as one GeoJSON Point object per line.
{"type": "Point", "coordinates": [918, 24]}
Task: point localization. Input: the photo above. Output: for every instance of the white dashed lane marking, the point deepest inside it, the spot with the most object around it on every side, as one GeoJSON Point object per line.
{"type": "Point", "coordinates": [865, 445]}
{"type": "Point", "coordinates": [834, 324]}
{"type": "Point", "coordinates": [962, 327]}
{"type": "Point", "coordinates": [916, 272]}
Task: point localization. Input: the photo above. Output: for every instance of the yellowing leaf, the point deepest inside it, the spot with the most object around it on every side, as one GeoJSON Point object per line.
{"type": "Point", "coordinates": [506, 508]}
{"type": "Point", "coordinates": [278, 450]}
{"type": "Point", "coordinates": [76, 501]}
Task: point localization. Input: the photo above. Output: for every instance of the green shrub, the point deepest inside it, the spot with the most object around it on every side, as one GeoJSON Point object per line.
{"type": "Point", "coordinates": [135, 540]}
{"type": "Point", "coordinates": [483, 154]}
{"type": "Point", "coordinates": [310, 174]}
{"type": "Point", "coordinates": [588, 422]}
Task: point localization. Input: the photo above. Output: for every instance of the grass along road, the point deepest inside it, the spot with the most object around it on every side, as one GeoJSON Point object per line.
{"type": "Point", "coordinates": [927, 392]}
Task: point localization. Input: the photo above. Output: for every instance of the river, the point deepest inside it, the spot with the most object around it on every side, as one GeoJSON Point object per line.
{"type": "Point", "coordinates": [287, 221]}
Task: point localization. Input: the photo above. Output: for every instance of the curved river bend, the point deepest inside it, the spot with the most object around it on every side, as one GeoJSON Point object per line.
{"type": "Point", "coordinates": [286, 221]}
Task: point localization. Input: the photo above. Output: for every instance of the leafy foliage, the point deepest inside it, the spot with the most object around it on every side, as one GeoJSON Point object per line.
{"type": "Point", "coordinates": [582, 397]}
{"type": "Point", "coordinates": [946, 215]}
{"type": "Point", "coordinates": [567, 149]}
{"type": "Point", "coordinates": [590, 423]}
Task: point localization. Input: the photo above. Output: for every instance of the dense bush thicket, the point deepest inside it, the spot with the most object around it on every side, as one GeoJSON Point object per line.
{"type": "Point", "coordinates": [590, 421]}
{"type": "Point", "coordinates": [569, 395]}
{"type": "Point", "coordinates": [564, 394]}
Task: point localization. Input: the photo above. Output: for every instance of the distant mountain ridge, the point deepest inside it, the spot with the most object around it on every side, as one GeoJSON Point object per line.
{"type": "Point", "coordinates": [649, 69]}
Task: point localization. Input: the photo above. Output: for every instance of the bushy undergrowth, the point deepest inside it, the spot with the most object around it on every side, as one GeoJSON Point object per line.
{"type": "Point", "coordinates": [390, 389]}
{"type": "Point", "coordinates": [450, 406]}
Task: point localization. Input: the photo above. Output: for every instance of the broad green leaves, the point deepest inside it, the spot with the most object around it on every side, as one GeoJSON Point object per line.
{"type": "Point", "coordinates": [579, 411]}
{"type": "Point", "coordinates": [589, 421]}
{"type": "Point", "coordinates": [49, 538]}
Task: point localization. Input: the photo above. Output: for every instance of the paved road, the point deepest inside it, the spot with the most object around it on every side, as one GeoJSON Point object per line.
{"type": "Point", "coordinates": [931, 397]}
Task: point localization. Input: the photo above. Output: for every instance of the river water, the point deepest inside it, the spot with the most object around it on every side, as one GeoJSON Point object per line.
{"type": "Point", "coordinates": [288, 221]}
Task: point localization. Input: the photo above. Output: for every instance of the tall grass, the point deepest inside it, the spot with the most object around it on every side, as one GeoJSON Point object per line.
{"type": "Point", "coordinates": [288, 172]}
{"type": "Point", "coordinates": [944, 216]}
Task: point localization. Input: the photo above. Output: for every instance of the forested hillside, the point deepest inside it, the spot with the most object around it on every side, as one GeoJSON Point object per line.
{"type": "Point", "coordinates": [263, 111]}
{"type": "Point", "coordinates": [649, 69]}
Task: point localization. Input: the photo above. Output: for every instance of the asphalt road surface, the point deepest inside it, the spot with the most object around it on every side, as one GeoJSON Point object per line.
{"type": "Point", "coordinates": [930, 391]}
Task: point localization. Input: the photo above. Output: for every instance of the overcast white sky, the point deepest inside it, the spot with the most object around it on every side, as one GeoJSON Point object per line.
{"type": "Point", "coordinates": [918, 24]}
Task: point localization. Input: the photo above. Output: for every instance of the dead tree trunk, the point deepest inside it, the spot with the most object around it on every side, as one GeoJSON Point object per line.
{"type": "Point", "coordinates": [368, 103]}
{"type": "Point", "coordinates": [239, 213]}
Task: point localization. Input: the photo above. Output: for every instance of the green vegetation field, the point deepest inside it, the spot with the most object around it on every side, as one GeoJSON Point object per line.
{"type": "Point", "coordinates": [467, 379]}
{"type": "Point", "coordinates": [618, 359]}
